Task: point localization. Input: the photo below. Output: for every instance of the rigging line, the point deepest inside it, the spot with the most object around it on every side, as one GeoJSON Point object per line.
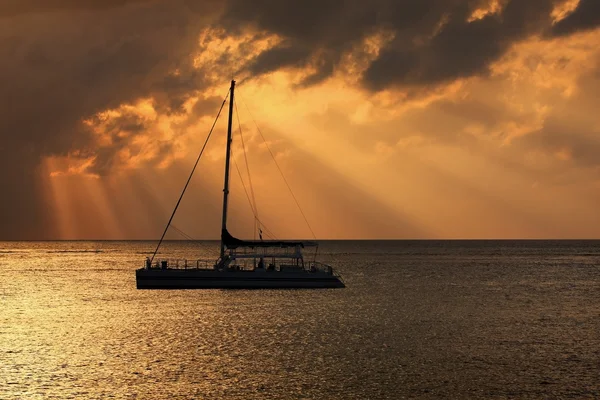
{"type": "Point", "coordinates": [280, 171]}
{"type": "Point", "coordinates": [269, 236]}
{"type": "Point", "coordinates": [244, 186]}
{"type": "Point", "coordinates": [190, 178]}
{"type": "Point", "coordinates": [268, 232]}
{"type": "Point", "coordinates": [182, 233]}
{"type": "Point", "coordinates": [237, 167]}
{"type": "Point", "coordinates": [178, 232]}
{"type": "Point", "coordinates": [256, 218]}
{"type": "Point", "coordinates": [266, 229]}
{"type": "Point", "coordinates": [246, 160]}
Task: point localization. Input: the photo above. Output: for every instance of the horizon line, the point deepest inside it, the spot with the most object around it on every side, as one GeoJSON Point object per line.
{"type": "Point", "coordinates": [312, 240]}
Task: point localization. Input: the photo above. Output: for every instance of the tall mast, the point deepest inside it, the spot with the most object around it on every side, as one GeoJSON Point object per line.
{"type": "Point", "coordinates": [227, 157]}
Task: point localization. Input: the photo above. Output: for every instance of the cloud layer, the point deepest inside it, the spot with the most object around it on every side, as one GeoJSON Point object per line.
{"type": "Point", "coordinates": [67, 63]}
{"type": "Point", "coordinates": [432, 40]}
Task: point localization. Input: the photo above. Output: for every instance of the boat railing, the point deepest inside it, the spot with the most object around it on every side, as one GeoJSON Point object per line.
{"type": "Point", "coordinates": [182, 263]}
{"type": "Point", "coordinates": [265, 252]}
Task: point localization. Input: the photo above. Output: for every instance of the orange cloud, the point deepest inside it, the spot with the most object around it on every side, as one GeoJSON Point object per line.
{"type": "Point", "coordinates": [489, 7]}
{"type": "Point", "coordinates": [563, 9]}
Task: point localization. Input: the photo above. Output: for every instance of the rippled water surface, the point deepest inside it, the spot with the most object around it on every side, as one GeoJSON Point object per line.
{"type": "Point", "coordinates": [417, 320]}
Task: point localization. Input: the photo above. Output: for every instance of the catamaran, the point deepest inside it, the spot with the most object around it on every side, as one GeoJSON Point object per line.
{"type": "Point", "coordinates": [242, 264]}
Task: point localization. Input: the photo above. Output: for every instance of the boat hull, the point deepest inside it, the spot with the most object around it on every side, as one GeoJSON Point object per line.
{"type": "Point", "coordinates": [214, 279]}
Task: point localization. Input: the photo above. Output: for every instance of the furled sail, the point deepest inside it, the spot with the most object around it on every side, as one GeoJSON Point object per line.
{"type": "Point", "coordinates": [232, 242]}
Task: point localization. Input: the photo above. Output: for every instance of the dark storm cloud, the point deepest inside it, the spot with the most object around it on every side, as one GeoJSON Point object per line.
{"type": "Point", "coordinates": [460, 49]}
{"type": "Point", "coordinates": [434, 42]}
{"type": "Point", "coordinates": [16, 7]}
{"type": "Point", "coordinates": [63, 66]}
{"type": "Point", "coordinates": [285, 55]}
{"type": "Point", "coordinates": [58, 69]}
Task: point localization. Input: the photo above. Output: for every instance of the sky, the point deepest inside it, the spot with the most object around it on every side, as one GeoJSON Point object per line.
{"type": "Point", "coordinates": [389, 119]}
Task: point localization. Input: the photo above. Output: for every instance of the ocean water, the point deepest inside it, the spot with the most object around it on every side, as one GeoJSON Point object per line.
{"type": "Point", "coordinates": [418, 319]}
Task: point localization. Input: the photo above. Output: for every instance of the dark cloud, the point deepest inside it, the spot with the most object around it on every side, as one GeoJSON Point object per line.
{"type": "Point", "coordinates": [586, 16]}
{"type": "Point", "coordinates": [61, 67]}
{"type": "Point", "coordinates": [434, 40]}
{"type": "Point", "coordinates": [285, 55]}
{"type": "Point", "coordinates": [16, 7]}
{"type": "Point", "coordinates": [460, 49]}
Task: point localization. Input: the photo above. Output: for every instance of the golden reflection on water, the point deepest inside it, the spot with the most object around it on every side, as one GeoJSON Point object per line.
{"type": "Point", "coordinates": [417, 320]}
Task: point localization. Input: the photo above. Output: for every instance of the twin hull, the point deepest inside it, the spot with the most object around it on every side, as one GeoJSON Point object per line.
{"type": "Point", "coordinates": [231, 279]}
